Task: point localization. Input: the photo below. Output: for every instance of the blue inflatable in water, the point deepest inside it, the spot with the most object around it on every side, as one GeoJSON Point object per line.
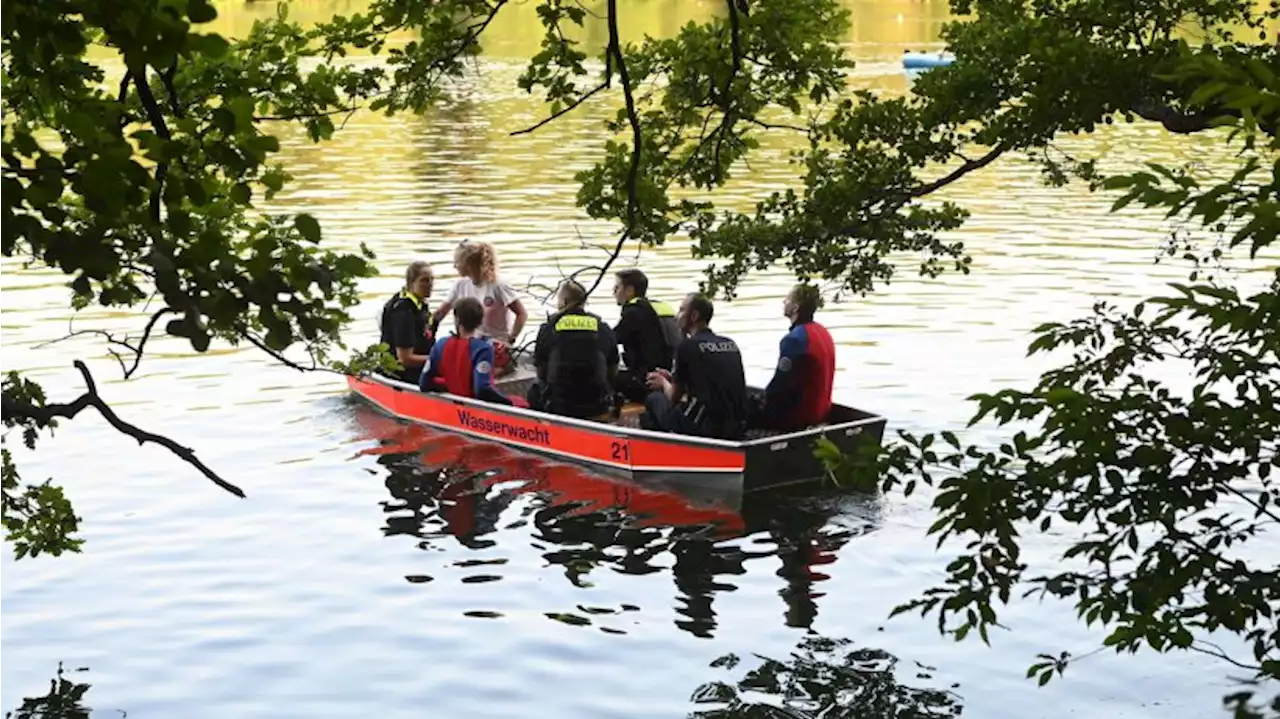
{"type": "Point", "coordinates": [925, 60]}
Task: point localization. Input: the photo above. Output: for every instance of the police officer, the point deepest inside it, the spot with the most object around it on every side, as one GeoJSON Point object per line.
{"type": "Point", "coordinates": [576, 358]}
{"type": "Point", "coordinates": [647, 331]}
{"type": "Point", "coordinates": [406, 322]}
{"type": "Point", "coordinates": [706, 394]}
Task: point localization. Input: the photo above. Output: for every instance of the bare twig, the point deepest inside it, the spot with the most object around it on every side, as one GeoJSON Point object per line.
{"type": "Point", "coordinates": [777, 125]}
{"type": "Point", "coordinates": [258, 342]}
{"type": "Point", "coordinates": [563, 111]}
{"type": "Point", "coordinates": [42, 415]}
{"type": "Point", "coordinates": [137, 349]}
{"type": "Point", "coordinates": [1217, 651]}
{"type": "Point", "coordinates": [309, 115]}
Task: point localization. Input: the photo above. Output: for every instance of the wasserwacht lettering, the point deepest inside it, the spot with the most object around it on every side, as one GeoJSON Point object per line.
{"type": "Point", "coordinates": [537, 435]}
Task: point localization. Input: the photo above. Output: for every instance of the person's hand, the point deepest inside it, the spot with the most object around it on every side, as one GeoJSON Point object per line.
{"type": "Point", "coordinates": [657, 380]}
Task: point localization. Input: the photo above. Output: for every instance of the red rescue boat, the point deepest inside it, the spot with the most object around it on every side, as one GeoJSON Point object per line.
{"type": "Point", "coordinates": [618, 445]}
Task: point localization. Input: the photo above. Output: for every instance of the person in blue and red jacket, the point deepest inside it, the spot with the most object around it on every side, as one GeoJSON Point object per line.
{"type": "Point", "coordinates": [462, 363]}
{"type": "Point", "coordinates": [799, 395]}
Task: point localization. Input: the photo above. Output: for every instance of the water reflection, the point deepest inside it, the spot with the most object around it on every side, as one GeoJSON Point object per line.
{"type": "Point", "coordinates": [62, 702]}
{"type": "Point", "coordinates": [446, 489]}
{"type": "Point", "coordinates": [828, 678]}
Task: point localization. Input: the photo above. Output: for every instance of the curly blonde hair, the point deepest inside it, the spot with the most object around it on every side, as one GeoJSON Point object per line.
{"type": "Point", "coordinates": [480, 259]}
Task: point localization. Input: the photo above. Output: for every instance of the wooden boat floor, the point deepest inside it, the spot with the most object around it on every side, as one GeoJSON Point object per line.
{"type": "Point", "coordinates": [519, 382]}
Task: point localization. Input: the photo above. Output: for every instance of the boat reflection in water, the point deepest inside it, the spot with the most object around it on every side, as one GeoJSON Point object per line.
{"type": "Point", "coordinates": [449, 488]}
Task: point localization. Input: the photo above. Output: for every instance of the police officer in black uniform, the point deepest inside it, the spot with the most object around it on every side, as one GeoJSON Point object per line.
{"type": "Point", "coordinates": [406, 322]}
{"type": "Point", "coordinates": [706, 395]}
{"type": "Point", "coordinates": [647, 331]}
{"type": "Point", "coordinates": [576, 358]}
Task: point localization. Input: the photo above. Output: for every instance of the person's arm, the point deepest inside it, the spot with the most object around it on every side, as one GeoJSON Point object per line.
{"type": "Point", "coordinates": [784, 390]}
{"type": "Point", "coordinates": [426, 382]}
{"type": "Point", "coordinates": [542, 349]}
{"type": "Point", "coordinates": [402, 333]}
{"type": "Point", "coordinates": [627, 325]}
{"type": "Point", "coordinates": [443, 310]}
{"type": "Point", "coordinates": [513, 303]}
{"type": "Point", "coordinates": [608, 343]}
{"type": "Point", "coordinates": [482, 358]}
{"type": "Point", "coordinates": [675, 384]}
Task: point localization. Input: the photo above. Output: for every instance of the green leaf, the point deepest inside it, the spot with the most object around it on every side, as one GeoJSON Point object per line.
{"type": "Point", "coordinates": [211, 45]}
{"type": "Point", "coordinates": [201, 11]}
{"type": "Point", "coordinates": [308, 227]}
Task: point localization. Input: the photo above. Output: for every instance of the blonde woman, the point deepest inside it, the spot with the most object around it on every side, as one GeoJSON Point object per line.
{"type": "Point", "coordinates": [504, 315]}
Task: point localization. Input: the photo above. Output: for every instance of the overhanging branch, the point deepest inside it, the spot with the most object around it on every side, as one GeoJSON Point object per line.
{"type": "Point", "coordinates": [41, 416]}
{"type": "Point", "coordinates": [614, 50]}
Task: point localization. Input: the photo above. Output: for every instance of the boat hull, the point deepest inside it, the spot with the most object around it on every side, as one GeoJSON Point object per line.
{"type": "Point", "coordinates": [674, 459]}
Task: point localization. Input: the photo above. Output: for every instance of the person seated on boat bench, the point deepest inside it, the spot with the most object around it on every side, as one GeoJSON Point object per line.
{"type": "Point", "coordinates": [406, 322]}
{"type": "Point", "coordinates": [706, 395]}
{"type": "Point", "coordinates": [576, 357]}
{"type": "Point", "coordinates": [647, 331]}
{"type": "Point", "coordinates": [462, 363]}
{"type": "Point", "coordinates": [799, 395]}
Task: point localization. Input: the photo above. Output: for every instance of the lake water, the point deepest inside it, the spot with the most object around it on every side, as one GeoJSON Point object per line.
{"type": "Point", "coordinates": [381, 570]}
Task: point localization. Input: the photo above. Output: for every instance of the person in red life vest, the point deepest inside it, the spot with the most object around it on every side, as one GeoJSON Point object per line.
{"type": "Point", "coordinates": [799, 395]}
{"type": "Point", "coordinates": [462, 363]}
{"type": "Point", "coordinates": [406, 326]}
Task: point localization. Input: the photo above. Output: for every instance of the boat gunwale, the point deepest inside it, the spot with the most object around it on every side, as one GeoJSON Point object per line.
{"type": "Point", "coordinates": [614, 429]}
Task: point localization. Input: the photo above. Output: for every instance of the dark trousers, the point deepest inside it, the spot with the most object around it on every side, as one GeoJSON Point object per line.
{"type": "Point", "coordinates": [540, 398]}
{"type": "Point", "coordinates": [630, 383]}
{"type": "Point", "coordinates": [662, 416]}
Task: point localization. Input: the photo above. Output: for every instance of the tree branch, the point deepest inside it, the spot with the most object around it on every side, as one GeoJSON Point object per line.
{"type": "Point", "coordinates": [162, 129]}
{"type": "Point", "coordinates": [256, 341]}
{"type": "Point", "coordinates": [42, 415]}
{"type": "Point", "coordinates": [167, 78]}
{"type": "Point", "coordinates": [633, 173]}
{"type": "Point", "coordinates": [726, 95]}
{"type": "Point", "coordinates": [569, 108]}
{"type": "Point", "coordinates": [959, 172]}
{"type": "Point", "coordinates": [111, 339]}
{"type": "Point", "coordinates": [124, 95]}
{"type": "Point", "coordinates": [1185, 123]}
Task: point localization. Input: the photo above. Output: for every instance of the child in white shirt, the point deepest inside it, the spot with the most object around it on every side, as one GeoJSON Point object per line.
{"type": "Point", "coordinates": [477, 263]}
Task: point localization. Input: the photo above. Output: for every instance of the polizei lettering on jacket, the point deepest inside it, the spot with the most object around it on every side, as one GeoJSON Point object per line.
{"type": "Point", "coordinates": [536, 435]}
{"type": "Point", "coordinates": [723, 346]}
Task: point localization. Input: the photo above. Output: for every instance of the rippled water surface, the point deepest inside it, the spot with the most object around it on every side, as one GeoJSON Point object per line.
{"type": "Point", "coordinates": [377, 569]}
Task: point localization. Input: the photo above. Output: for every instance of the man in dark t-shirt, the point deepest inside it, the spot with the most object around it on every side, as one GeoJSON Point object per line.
{"type": "Point", "coordinates": [647, 330]}
{"type": "Point", "coordinates": [707, 393]}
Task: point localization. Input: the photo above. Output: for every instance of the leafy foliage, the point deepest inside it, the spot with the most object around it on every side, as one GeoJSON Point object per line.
{"type": "Point", "coordinates": [1155, 446]}
{"type": "Point", "coordinates": [823, 677]}
{"type": "Point", "coordinates": [64, 700]}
